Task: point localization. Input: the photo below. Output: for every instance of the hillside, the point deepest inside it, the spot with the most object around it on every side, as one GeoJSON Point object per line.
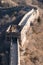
{"type": "Point", "coordinates": [33, 53]}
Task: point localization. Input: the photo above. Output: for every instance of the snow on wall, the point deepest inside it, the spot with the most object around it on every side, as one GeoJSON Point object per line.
{"type": "Point", "coordinates": [30, 17]}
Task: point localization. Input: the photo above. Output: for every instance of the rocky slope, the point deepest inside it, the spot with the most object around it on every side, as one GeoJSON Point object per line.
{"type": "Point", "coordinates": [33, 54]}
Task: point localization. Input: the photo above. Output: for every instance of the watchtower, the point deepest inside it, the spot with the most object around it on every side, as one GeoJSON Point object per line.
{"type": "Point", "coordinates": [12, 36]}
